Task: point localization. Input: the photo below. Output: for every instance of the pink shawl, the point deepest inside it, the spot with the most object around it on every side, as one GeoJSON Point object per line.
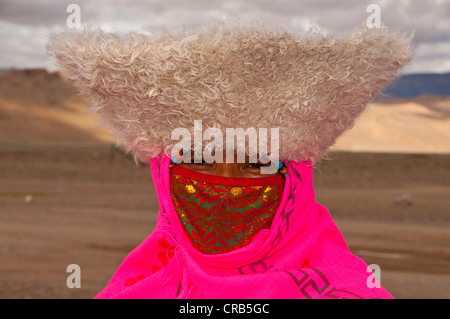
{"type": "Point", "coordinates": [302, 255]}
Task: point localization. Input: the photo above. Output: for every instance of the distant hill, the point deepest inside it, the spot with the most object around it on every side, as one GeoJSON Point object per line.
{"type": "Point", "coordinates": [407, 125]}
{"type": "Point", "coordinates": [5, 70]}
{"type": "Point", "coordinates": [412, 85]}
{"type": "Point", "coordinates": [41, 106]}
{"type": "Point", "coordinates": [38, 107]}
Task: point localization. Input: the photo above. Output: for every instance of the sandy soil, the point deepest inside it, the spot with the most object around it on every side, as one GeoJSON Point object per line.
{"type": "Point", "coordinates": [419, 125]}
{"type": "Point", "coordinates": [92, 206]}
{"type": "Point", "coordinates": [41, 107]}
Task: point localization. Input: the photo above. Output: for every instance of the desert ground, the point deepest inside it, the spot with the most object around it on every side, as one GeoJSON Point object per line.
{"type": "Point", "coordinates": [91, 207]}
{"type": "Point", "coordinates": [69, 196]}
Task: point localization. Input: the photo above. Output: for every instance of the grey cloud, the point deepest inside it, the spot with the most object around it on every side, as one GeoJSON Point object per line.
{"type": "Point", "coordinates": [27, 19]}
{"type": "Point", "coordinates": [32, 12]}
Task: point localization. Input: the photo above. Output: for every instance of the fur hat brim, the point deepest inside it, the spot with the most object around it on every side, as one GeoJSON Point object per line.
{"type": "Point", "coordinates": [311, 86]}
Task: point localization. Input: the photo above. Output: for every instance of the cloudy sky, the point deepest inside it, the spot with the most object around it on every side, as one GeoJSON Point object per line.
{"type": "Point", "coordinates": [25, 24]}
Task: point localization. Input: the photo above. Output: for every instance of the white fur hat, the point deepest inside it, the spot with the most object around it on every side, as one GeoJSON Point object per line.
{"type": "Point", "coordinates": [311, 86]}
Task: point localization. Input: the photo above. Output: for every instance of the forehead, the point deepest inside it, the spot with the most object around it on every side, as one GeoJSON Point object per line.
{"type": "Point", "coordinates": [223, 158]}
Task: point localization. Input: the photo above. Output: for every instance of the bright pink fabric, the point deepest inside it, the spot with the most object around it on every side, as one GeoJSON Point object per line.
{"type": "Point", "coordinates": [302, 255]}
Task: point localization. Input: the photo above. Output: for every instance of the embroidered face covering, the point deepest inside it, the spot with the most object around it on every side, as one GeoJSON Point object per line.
{"type": "Point", "coordinates": [221, 214]}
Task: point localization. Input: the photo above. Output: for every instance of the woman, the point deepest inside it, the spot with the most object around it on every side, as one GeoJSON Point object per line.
{"type": "Point", "coordinates": [225, 230]}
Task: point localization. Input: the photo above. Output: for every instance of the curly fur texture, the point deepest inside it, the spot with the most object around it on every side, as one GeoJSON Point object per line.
{"type": "Point", "coordinates": [311, 85]}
